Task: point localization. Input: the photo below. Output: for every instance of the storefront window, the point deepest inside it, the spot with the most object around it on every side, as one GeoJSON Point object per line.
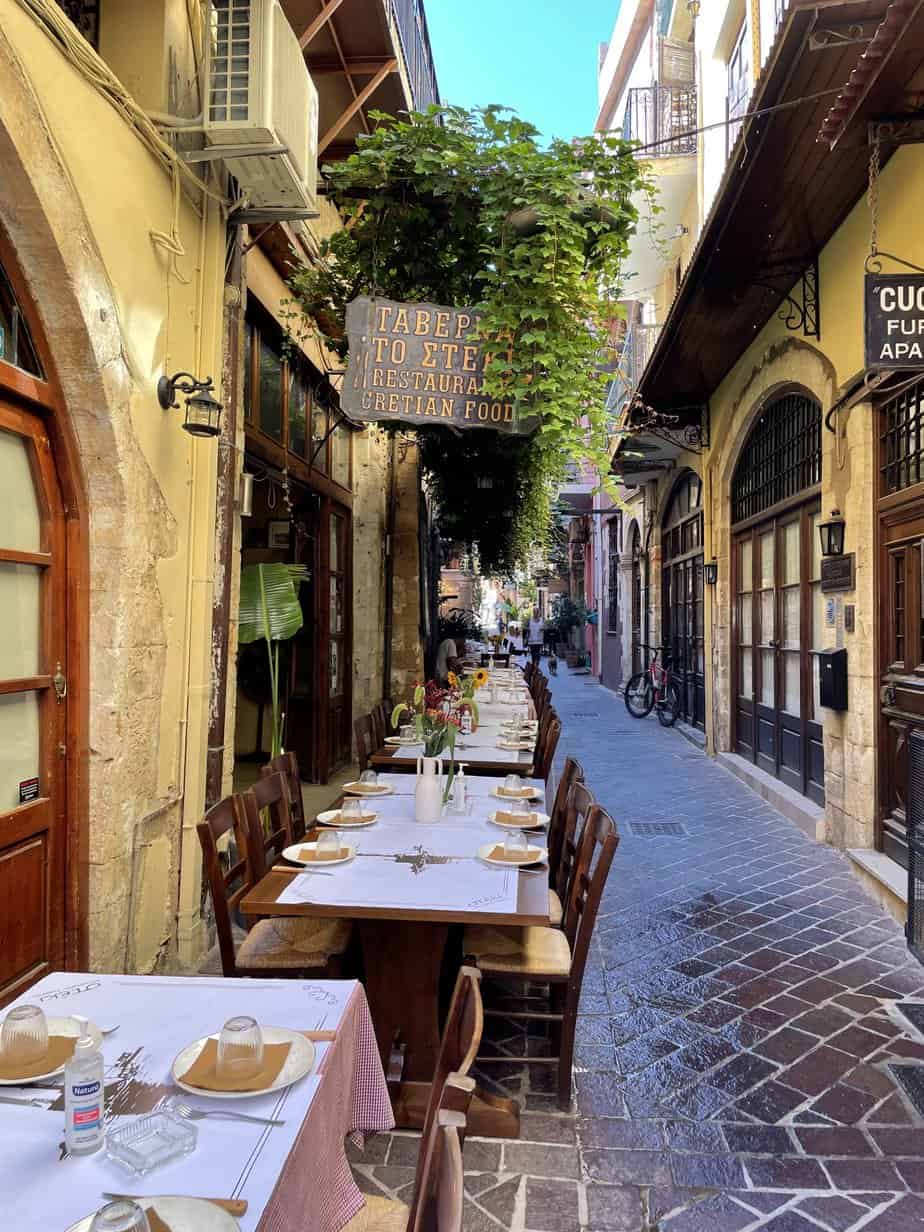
{"type": "Point", "coordinates": [270, 391]}
{"type": "Point", "coordinates": [298, 413]}
{"type": "Point", "coordinates": [340, 455]}
{"type": "Point", "coordinates": [319, 445]}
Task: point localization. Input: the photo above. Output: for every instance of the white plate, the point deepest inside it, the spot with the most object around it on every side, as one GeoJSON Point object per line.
{"type": "Point", "coordinates": [299, 1062]}
{"type": "Point", "coordinates": [56, 1026]}
{"type": "Point", "coordinates": [541, 820]}
{"type": "Point", "coordinates": [535, 793]}
{"type": "Point", "coordinates": [332, 818]}
{"type": "Point", "coordinates": [182, 1214]}
{"type": "Point", "coordinates": [516, 746]}
{"type": "Point", "coordinates": [396, 742]}
{"type": "Point", "coordinates": [291, 853]}
{"type": "Point", "coordinates": [533, 856]}
{"type": "Point", "coordinates": [357, 789]}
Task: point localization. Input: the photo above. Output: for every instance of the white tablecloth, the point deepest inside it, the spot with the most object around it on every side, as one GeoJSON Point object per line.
{"type": "Point", "coordinates": [46, 1191]}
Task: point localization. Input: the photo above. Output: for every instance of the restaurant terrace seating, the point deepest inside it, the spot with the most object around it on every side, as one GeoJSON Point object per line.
{"type": "Point", "coordinates": [550, 955]}
{"type": "Point", "coordinates": [379, 724]}
{"type": "Point", "coordinates": [287, 765]}
{"type": "Point", "coordinates": [562, 826]}
{"type": "Point", "coordinates": [266, 813]}
{"type": "Point", "coordinates": [366, 744]}
{"type": "Point", "coordinates": [264, 951]}
{"type": "Point", "coordinates": [545, 749]}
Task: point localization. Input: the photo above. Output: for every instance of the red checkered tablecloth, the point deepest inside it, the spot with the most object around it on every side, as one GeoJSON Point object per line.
{"type": "Point", "coordinates": [316, 1191]}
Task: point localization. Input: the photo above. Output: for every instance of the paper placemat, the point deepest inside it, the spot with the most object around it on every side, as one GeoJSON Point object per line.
{"type": "Point", "coordinates": [60, 1051]}
{"type": "Point", "coordinates": [203, 1074]}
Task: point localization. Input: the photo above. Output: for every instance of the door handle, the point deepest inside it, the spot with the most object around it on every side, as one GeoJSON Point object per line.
{"type": "Point", "coordinates": [774, 643]}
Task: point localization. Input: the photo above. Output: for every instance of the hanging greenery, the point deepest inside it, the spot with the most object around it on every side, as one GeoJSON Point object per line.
{"type": "Point", "coordinates": [467, 209]}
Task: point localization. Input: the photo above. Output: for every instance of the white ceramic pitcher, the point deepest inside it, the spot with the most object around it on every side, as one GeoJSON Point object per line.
{"type": "Point", "coordinates": [428, 794]}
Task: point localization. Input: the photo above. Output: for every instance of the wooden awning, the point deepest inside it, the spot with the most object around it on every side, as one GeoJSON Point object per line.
{"type": "Point", "coordinates": [785, 191]}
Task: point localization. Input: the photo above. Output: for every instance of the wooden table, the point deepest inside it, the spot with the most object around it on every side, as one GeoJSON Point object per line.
{"type": "Point", "coordinates": [422, 879]}
{"type": "Point", "coordinates": [478, 752]}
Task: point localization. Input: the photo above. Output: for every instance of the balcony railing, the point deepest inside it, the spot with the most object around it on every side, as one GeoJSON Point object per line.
{"type": "Point", "coordinates": [636, 350]}
{"type": "Point", "coordinates": [410, 20]}
{"type": "Point", "coordinates": [662, 114]}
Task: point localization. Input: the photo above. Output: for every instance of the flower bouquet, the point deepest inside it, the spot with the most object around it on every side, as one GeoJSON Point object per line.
{"type": "Point", "coordinates": [435, 724]}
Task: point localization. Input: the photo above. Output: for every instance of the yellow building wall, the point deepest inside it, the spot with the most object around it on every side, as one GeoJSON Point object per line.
{"type": "Point", "coordinates": [150, 485]}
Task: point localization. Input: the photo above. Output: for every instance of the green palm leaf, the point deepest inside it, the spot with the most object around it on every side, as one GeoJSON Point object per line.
{"type": "Point", "coordinates": [269, 606]}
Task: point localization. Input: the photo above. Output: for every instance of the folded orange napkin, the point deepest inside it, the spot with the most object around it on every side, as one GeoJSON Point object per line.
{"type": "Point", "coordinates": [202, 1072]}
{"type": "Point", "coordinates": [368, 788]}
{"type": "Point", "coordinates": [60, 1051]}
{"type": "Point", "coordinates": [311, 855]}
{"type": "Point", "coordinates": [155, 1223]}
{"type": "Point", "coordinates": [515, 793]}
{"type": "Point", "coordinates": [500, 853]}
{"type": "Point", "coordinates": [515, 819]}
{"type": "Point", "coordinates": [340, 820]}
{"type": "Point", "coordinates": [320, 1037]}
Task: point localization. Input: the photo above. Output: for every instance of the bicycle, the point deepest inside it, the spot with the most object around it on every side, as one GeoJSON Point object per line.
{"type": "Point", "coordinates": [653, 689]}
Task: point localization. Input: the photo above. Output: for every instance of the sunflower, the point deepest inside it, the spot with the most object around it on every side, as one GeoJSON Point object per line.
{"type": "Point", "coordinates": [481, 677]}
{"type": "Point", "coordinates": [453, 680]}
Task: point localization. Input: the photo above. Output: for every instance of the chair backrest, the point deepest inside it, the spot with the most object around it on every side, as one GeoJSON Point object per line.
{"type": "Point", "coordinates": [545, 754]}
{"type": "Point", "coordinates": [227, 886]}
{"type": "Point", "coordinates": [438, 1184]}
{"type": "Point", "coordinates": [287, 765]}
{"type": "Point", "coordinates": [364, 731]}
{"type": "Point", "coordinates": [461, 1036]}
{"type": "Point", "coordinates": [577, 809]}
{"type": "Point", "coordinates": [596, 848]}
{"type": "Point", "coordinates": [572, 772]}
{"type": "Point", "coordinates": [265, 812]}
{"type": "Point", "coordinates": [501, 660]}
{"type": "Point", "coordinates": [529, 671]}
{"type": "Point", "coordinates": [379, 724]}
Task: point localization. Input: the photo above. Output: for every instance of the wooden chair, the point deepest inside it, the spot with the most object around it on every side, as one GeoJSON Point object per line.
{"type": "Point", "coordinates": [379, 724]}
{"type": "Point", "coordinates": [554, 956]}
{"type": "Point", "coordinates": [436, 1203]}
{"type": "Point", "coordinates": [263, 952]}
{"type": "Point", "coordinates": [529, 671]}
{"type": "Point", "coordinates": [364, 733]}
{"type": "Point", "coordinates": [572, 772]}
{"type": "Point", "coordinates": [545, 751]}
{"type": "Point", "coordinates": [287, 765]}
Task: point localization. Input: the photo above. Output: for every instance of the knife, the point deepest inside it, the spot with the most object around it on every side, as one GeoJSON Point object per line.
{"type": "Point", "coordinates": [234, 1206]}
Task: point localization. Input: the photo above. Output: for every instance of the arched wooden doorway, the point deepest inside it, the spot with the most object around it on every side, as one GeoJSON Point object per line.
{"type": "Point", "coordinates": [682, 594]}
{"type": "Point", "coordinates": [40, 928]}
{"type": "Point", "coordinates": [776, 581]}
{"type": "Point", "coordinates": [635, 615]}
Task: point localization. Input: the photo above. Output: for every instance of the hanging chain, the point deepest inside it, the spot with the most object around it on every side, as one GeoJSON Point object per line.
{"type": "Point", "coordinates": [872, 195]}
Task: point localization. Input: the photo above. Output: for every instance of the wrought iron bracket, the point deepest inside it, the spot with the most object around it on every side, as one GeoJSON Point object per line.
{"type": "Point", "coordinates": [905, 128]}
{"type": "Point", "coordinates": [841, 34]}
{"type": "Point", "coordinates": [693, 437]}
{"type": "Point", "coordinates": [801, 306]}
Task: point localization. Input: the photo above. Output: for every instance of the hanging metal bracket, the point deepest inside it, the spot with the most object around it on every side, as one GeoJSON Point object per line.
{"type": "Point", "coordinates": [801, 306]}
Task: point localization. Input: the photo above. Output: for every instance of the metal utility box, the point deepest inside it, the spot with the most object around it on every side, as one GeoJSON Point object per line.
{"type": "Point", "coordinates": [833, 685]}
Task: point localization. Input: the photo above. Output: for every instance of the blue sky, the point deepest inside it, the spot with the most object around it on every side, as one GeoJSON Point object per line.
{"type": "Point", "coordinates": [538, 56]}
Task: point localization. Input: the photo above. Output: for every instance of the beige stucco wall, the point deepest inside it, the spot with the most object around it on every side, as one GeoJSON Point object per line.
{"type": "Point", "coordinates": [118, 314]}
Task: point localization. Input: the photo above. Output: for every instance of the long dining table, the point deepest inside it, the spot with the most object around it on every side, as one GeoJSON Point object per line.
{"type": "Point", "coordinates": [410, 889]}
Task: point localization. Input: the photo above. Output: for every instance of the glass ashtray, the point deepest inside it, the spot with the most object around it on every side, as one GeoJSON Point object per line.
{"type": "Point", "coordinates": [150, 1141]}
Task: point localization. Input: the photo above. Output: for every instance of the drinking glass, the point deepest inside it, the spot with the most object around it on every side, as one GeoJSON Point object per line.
{"type": "Point", "coordinates": [328, 844]}
{"type": "Point", "coordinates": [351, 810]}
{"type": "Point", "coordinates": [520, 809]}
{"type": "Point", "coordinates": [515, 844]}
{"type": "Point", "coordinates": [122, 1215]}
{"type": "Point", "coordinates": [369, 778]}
{"type": "Point", "coordinates": [240, 1048]}
{"type": "Point", "coordinates": [24, 1037]}
{"type": "Point", "coordinates": [513, 782]}
{"type": "Point", "coordinates": [408, 732]}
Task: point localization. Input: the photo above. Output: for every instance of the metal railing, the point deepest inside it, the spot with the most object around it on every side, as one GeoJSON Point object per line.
{"type": "Point", "coordinates": [637, 347]}
{"type": "Point", "coordinates": [411, 23]}
{"type": "Point", "coordinates": [663, 114]}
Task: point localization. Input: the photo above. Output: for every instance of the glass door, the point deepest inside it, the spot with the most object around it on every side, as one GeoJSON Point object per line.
{"type": "Point", "coordinates": [33, 673]}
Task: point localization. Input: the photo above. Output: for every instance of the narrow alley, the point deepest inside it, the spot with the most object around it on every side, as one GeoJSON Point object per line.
{"type": "Point", "coordinates": [736, 1024]}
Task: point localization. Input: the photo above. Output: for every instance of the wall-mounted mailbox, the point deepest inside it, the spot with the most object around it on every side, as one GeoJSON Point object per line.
{"type": "Point", "coordinates": [833, 685]}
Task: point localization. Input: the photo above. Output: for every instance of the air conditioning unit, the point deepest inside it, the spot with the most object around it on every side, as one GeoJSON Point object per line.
{"type": "Point", "coordinates": [262, 110]}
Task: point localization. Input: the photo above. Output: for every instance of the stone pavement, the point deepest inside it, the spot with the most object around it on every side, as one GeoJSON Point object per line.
{"type": "Point", "coordinates": [735, 1023]}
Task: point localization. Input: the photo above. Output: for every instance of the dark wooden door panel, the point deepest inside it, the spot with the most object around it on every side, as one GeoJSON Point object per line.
{"type": "Point", "coordinates": [24, 941]}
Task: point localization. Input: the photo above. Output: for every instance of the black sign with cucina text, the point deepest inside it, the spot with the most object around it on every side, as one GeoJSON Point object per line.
{"type": "Point", "coordinates": [422, 365]}
{"type": "Point", "coordinates": [894, 320]}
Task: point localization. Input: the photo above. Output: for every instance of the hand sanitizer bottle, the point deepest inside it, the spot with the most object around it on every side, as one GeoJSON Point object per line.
{"type": "Point", "coordinates": [459, 791]}
{"type": "Point", "coordinates": [84, 1096]}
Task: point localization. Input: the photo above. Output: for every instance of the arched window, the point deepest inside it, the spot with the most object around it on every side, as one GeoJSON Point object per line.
{"type": "Point", "coordinates": [781, 458]}
{"type": "Point", "coordinates": [16, 346]}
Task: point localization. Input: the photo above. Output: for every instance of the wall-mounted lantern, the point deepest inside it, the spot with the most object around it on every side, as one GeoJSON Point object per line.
{"type": "Point", "coordinates": [693, 7]}
{"type": "Point", "coordinates": [203, 411]}
{"type": "Point", "coordinates": [711, 572]}
{"type": "Point", "coordinates": [832, 534]}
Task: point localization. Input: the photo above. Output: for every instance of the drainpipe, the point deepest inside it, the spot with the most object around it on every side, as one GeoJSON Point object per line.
{"type": "Point", "coordinates": [227, 482]}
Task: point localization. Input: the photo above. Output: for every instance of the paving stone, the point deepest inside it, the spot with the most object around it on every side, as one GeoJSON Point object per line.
{"type": "Point", "coordinates": [621, 1135]}
{"type": "Point", "coordinates": [536, 1127]}
{"type": "Point", "coordinates": [708, 1171]}
{"type": "Point", "coordinates": [758, 1139]}
{"type": "Point", "coordinates": [844, 1104]}
{"type": "Point", "coordinates": [789, 1221]}
{"type": "Point", "coordinates": [718, 1214]}
{"type": "Point", "coordinates": [613, 1208]}
{"type": "Point", "coordinates": [541, 1160]}
{"type": "Point", "coordinates": [838, 1214]}
{"type": "Point", "coordinates": [905, 1215]}
{"type": "Point", "coordinates": [501, 1200]}
{"type": "Point", "coordinates": [599, 1095]}
{"type": "Point", "coordinates": [823, 1141]}
{"type": "Point", "coordinates": [770, 1102]}
{"type": "Point", "coordinates": [786, 1172]}
{"type": "Point", "coordinates": [786, 1045]}
{"type": "Point", "coordinates": [857, 1174]}
{"type": "Point", "coordinates": [628, 1167]}
{"type": "Point", "coordinates": [551, 1206]}
{"type": "Point", "coordinates": [702, 1138]}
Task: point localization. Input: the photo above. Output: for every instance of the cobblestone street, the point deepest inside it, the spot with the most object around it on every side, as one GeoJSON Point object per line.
{"type": "Point", "coordinates": [735, 1026]}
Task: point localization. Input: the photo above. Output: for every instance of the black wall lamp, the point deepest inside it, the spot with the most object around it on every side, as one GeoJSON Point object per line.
{"type": "Point", "coordinates": [203, 411]}
{"type": "Point", "coordinates": [711, 572]}
{"type": "Point", "coordinates": [693, 7]}
{"type": "Point", "coordinates": [832, 534]}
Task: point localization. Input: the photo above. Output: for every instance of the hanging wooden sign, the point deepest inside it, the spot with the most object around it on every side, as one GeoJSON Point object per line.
{"type": "Point", "coordinates": [894, 321]}
{"type": "Point", "coordinates": [421, 365]}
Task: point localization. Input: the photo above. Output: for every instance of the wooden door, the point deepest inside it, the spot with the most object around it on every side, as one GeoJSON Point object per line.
{"type": "Point", "coordinates": [636, 601]}
{"type": "Point", "coordinates": [338, 636]}
{"type": "Point", "coordinates": [33, 672]}
{"type": "Point", "coordinates": [301, 721]}
{"type": "Point", "coordinates": [901, 665]}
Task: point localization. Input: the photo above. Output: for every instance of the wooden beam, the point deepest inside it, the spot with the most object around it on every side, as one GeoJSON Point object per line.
{"type": "Point", "coordinates": [357, 68]}
{"type": "Point", "coordinates": [326, 13]}
{"type": "Point", "coordinates": [388, 67]}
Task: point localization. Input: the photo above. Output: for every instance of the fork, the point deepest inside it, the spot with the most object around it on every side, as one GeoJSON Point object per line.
{"type": "Point", "coordinates": [35, 1103]}
{"type": "Point", "coordinates": [189, 1113]}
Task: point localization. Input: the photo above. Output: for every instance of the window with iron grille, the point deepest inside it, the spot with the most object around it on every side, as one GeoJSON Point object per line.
{"type": "Point", "coordinates": [782, 456]}
{"type": "Point", "coordinates": [902, 439]}
{"type": "Point", "coordinates": [739, 83]}
{"type": "Point", "coordinates": [85, 16]}
{"type": "Point", "coordinates": [612, 623]}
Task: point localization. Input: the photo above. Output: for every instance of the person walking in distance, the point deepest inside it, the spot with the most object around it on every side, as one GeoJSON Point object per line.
{"type": "Point", "coordinates": [536, 635]}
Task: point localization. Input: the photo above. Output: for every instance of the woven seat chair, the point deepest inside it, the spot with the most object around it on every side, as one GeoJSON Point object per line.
{"type": "Point", "coordinates": [287, 765]}
{"type": "Point", "coordinates": [364, 733]}
{"type": "Point", "coordinates": [561, 828]}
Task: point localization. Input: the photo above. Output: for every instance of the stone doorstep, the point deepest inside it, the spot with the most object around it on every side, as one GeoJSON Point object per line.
{"type": "Point", "coordinates": [804, 813]}
{"type": "Point", "coordinates": [876, 864]}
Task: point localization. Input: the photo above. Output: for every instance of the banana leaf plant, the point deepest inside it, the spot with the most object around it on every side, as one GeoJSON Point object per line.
{"type": "Point", "coordinates": [270, 609]}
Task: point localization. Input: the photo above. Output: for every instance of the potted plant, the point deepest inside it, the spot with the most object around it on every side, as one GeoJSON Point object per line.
{"type": "Point", "coordinates": [270, 609]}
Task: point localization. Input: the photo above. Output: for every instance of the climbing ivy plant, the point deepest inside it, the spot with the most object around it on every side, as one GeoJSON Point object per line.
{"type": "Point", "coordinates": [466, 208]}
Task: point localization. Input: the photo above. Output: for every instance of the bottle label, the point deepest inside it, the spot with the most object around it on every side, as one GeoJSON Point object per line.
{"type": "Point", "coordinates": [86, 1118]}
{"type": "Point", "coordinates": [82, 1089]}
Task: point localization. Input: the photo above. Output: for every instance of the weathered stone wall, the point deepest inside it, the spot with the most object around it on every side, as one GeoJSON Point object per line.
{"type": "Point", "coordinates": [407, 664]}
{"type": "Point", "coordinates": [370, 515]}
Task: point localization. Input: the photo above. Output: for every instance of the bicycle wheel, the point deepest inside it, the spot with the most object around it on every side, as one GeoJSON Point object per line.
{"type": "Point", "coordinates": [669, 706]}
{"type": "Point", "coordinates": [639, 695]}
